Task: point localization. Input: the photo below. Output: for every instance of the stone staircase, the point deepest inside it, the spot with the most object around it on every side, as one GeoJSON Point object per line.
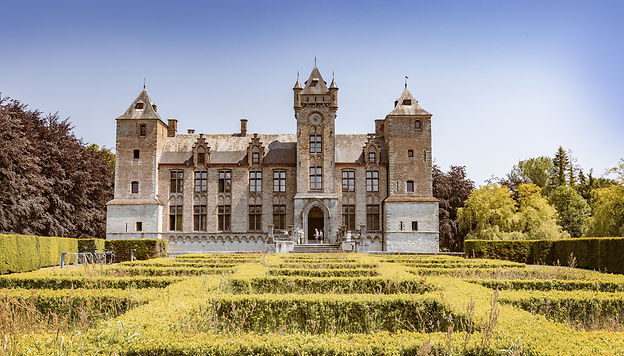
{"type": "Point", "coordinates": [317, 248]}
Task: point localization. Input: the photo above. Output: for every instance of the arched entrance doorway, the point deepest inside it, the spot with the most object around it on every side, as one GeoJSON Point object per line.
{"type": "Point", "coordinates": [316, 221]}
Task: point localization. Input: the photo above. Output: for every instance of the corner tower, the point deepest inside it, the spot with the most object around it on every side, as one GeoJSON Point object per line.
{"type": "Point", "coordinates": [411, 211]}
{"type": "Point", "coordinates": [316, 202]}
{"type": "Point", "coordinates": [135, 211]}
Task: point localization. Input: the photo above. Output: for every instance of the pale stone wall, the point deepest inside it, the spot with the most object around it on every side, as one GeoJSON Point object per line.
{"type": "Point", "coordinates": [121, 221]}
{"type": "Point", "coordinates": [398, 239]}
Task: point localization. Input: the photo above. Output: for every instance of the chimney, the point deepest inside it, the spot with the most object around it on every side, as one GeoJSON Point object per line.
{"type": "Point", "coordinates": [191, 131]}
{"type": "Point", "coordinates": [379, 127]}
{"type": "Point", "coordinates": [172, 127]}
{"type": "Point", "coordinates": [243, 131]}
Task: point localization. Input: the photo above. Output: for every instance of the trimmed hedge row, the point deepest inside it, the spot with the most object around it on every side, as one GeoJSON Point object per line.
{"type": "Point", "coordinates": [91, 245]}
{"type": "Point", "coordinates": [145, 248]}
{"type": "Point", "coordinates": [63, 282]}
{"type": "Point", "coordinates": [22, 253]}
{"type": "Point", "coordinates": [327, 285]}
{"type": "Point", "coordinates": [353, 272]}
{"type": "Point", "coordinates": [318, 314]}
{"type": "Point", "coordinates": [162, 271]}
{"type": "Point", "coordinates": [549, 284]}
{"type": "Point", "coordinates": [601, 253]}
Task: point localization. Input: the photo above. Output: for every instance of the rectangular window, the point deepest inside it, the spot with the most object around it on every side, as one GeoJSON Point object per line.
{"type": "Point", "coordinates": [255, 181]}
{"type": "Point", "coordinates": [137, 154]}
{"type": "Point", "coordinates": [224, 217]}
{"type": "Point", "coordinates": [316, 144]}
{"type": "Point", "coordinates": [176, 181]}
{"type": "Point", "coordinates": [372, 181]}
{"type": "Point", "coordinates": [142, 130]}
{"type": "Point", "coordinates": [410, 153]}
{"type": "Point", "coordinates": [371, 157]}
{"type": "Point", "coordinates": [201, 158]}
{"type": "Point", "coordinates": [279, 181]}
{"type": "Point", "coordinates": [414, 225]}
{"type": "Point", "coordinates": [255, 157]}
{"type": "Point", "coordinates": [348, 181]}
{"type": "Point", "coordinates": [316, 178]}
{"type": "Point", "coordinates": [175, 218]}
{"type": "Point", "coordinates": [199, 217]}
{"type": "Point", "coordinates": [417, 125]}
{"type": "Point", "coordinates": [410, 186]}
{"type": "Point", "coordinates": [225, 181]}
{"type": "Point", "coordinates": [139, 226]}
{"type": "Point", "coordinates": [372, 217]}
{"type": "Point", "coordinates": [348, 217]}
{"type": "Point", "coordinates": [201, 181]}
{"type": "Point", "coordinates": [134, 187]}
{"type": "Point", "coordinates": [255, 218]}
{"type": "Point", "coordinates": [279, 217]}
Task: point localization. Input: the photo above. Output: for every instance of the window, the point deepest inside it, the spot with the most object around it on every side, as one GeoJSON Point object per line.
{"type": "Point", "coordinates": [225, 181]}
{"type": "Point", "coordinates": [255, 157]}
{"type": "Point", "coordinates": [417, 125]}
{"type": "Point", "coordinates": [255, 217]}
{"type": "Point", "coordinates": [139, 226]}
{"type": "Point", "coordinates": [201, 181]}
{"type": "Point", "coordinates": [279, 216]}
{"type": "Point", "coordinates": [372, 217]}
{"type": "Point", "coordinates": [201, 157]}
{"type": "Point", "coordinates": [316, 178]}
{"type": "Point", "coordinates": [348, 181]}
{"type": "Point", "coordinates": [177, 180]}
{"type": "Point", "coordinates": [175, 218]}
{"type": "Point", "coordinates": [142, 130]}
{"type": "Point", "coordinates": [255, 181]}
{"type": "Point", "coordinates": [410, 153]}
{"type": "Point", "coordinates": [425, 156]}
{"type": "Point", "coordinates": [135, 187]}
{"type": "Point", "coordinates": [136, 154]}
{"type": "Point", "coordinates": [401, 225]}
{"type": "Point", "coordinates": [199, 217]}
{"type": "Point", "coordinates": [316, 144]}
{"type": "Point", "coordinates": [224, 217]}
{"type": "Point", "coordinates": [371, 157]}
{"type": "Point", "coordinates": [414, 225]}
{"type": "Point", "coordinates": [313, 84]}
{"type": "Point", "coordinates": [139, 106]}
{"type": "Point", "coordinates": [279, 181]}
{"type": "Point", "coordinates": [372, 181]}
{"type": "Point", "coordinates": [348, 217]}
{"type": "Point", "coordinates": [407, 102]}
{"type": "Point", "coordinates": [410, 185]}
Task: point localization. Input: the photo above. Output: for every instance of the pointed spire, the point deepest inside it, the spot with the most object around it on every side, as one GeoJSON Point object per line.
{"type": "Point", "coordinates": [333, 84]}
{"type": "Point", "coordinates": [407, 105]}
{"type": "Point", "coordinates": [315, 83]}
{"type": "Point", "coordinates": [141, 108]}
{"type": "Point", "coordinates": [297, 84]}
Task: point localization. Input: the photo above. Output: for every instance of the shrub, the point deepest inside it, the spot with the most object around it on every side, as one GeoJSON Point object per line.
{"type": "Point", "coordinates": [90, 245]}
{"type": "Point", "coordinates": [22, 253]}
{"type": "Point", "coordinates": [145, 248]}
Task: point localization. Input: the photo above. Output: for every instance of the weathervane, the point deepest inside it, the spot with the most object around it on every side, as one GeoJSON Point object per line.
{"type": "Point", "coordinates": [143, 82]}
{"type": "Point", "coordinates": [406, 81]}
{"type": "Point", "coordinates": [315, 61]}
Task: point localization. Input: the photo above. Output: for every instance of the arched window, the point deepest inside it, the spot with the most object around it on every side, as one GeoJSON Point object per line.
{"type": "Point", "coordinates": [418, 125]}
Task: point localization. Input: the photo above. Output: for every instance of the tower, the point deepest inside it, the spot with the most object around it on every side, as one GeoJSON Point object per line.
{"type": "Point", "coordinates": [316, 204]}
{"type": "Point", "coordinates": [411, 211]}
{"type": "Point", "coordinates": [135, 211]}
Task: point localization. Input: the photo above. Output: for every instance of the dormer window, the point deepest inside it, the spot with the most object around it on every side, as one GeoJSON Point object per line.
{"type": "Point", "coordinates": [139, 106]}
{"type": "Point", "coordinates": [407, 102]}
{"type": "Point", "coordinates": [201, 157]}
{"type": "Point", "coordinates": [314, 83]}
{"type": "Point", "coordinates": [255, 157]}
{"type": "Point", "coordinates": [417, 125]}
{"type": "Point", "coordinates": [154, 107]}
{"type": "Point", "coordinates": [395, 103]}
{"type": "Point", "coordinates": [371, 157]}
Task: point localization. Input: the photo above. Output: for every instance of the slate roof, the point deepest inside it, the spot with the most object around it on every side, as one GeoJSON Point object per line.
{"type": "Point", "coordinates": [148, 111]}
{"type": "Point", "coordinates": [413, 109]}
{"type": "Point", "coordinates": [321, 86]}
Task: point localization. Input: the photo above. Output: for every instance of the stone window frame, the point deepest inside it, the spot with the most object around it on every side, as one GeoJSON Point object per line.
{"type": "Point", "coordinates": [410, 186]}
{"type": "Point", "coordinates": [225, 181]}
{"type": "Point", "coordinates": [279, 181]}
{"type": "Point", "coordinates": [372, 181]}
{"type": "Point", "coordinates": [255, 218]}
{"type": "Point", "coordinates": [136, 154]}
{"type": "Point", "coordinates": [142, 130]}
{"type": "Point", "coordinates": [348, 216]}
{"type": "Point", "coordinates": [316, 178]}
{"type": "Point", "coordinates": [139, 226]}
{"type": "Point", "coordinates": [348, 180]}
{"type": "Point", "coordinates": [200, 217]}
{"type": "Point", "coordinates": [134, 187]}
{"type": "Point", "coordinates": [372, 217]}
{"type": "Point", "coordinates": [418, 124]}
{"type": "Point", "coordinates": [255, 181]}
{"type": "Point", "coordinates": [200, 183]}
{"type": "Point", "coordinates": [176, 181]}
{"type": "Point", "coordinates": [176, 217]}
{"type": "Point", "coordinates": [410, 153]}
{"type": "Point", "coordinates": [372, 157]}
{"type": "Point", "coordinates": [414, 225]}
{"type": "Point", "coordinates": [224, 217]}
{"type": "Point", "coordinates": [279, 216]}
{"type": "Point", "coordinates": [255, 157]}
{"type": "Point", "coordinates": [316, 144]}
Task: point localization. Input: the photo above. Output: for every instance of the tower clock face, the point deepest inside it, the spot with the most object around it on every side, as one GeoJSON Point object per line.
{"type": "Point", "coordinates": [315, 119]}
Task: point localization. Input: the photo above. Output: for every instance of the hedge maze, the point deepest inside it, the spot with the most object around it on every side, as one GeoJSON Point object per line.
{"type": "Point", "coordinates": [338, 304]}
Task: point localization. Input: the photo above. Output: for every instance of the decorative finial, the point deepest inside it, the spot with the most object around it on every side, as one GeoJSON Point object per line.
{"type": "Point", "coordinates": [315, 61]}
{"type": "Point", "coordinates": [406, 81]}
{"type": "Point", "coordinates": [143, 83]}
{"type": "Point", "coordinates": [297, 75]}
{"type": "Point", "coordinates": [332, 75]}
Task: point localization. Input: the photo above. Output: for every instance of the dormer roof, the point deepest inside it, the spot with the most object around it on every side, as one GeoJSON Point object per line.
{"type": "Point", "coordinates": [407, 105]}
{"type": "Point", "coordinates": [315, 84]}
{"type": "Point", "coordinates": [139, 112]}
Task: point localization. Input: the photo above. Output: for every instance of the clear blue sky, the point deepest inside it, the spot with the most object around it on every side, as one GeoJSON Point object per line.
{"type": "Point", "coordinates": [504, 80]}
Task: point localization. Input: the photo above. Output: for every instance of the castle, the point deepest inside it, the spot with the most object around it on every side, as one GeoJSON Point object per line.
{"type": "Point", "coordinates": [235, 192]}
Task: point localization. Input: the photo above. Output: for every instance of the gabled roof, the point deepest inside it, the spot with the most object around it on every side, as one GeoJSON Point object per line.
{"type": "Point", "coordinates": [412, 109]}
{"type": "Point", "coordinates": [320, 88]}
{"type": "Point", "coordinates": [147, 112]}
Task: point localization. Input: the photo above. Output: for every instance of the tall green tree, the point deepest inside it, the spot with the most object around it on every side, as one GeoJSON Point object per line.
{"type": "Point", "coordinates": [561, 163]}
{"type": "Point", "coordinates": [607, 205]}
{"type": "Point", "coordinates": [572, 209]}
{"type": "Point", "coordinates": [535, 170]}
{"type": "Point", "coordinates": [452, 188]}
{"type": "Point", "coordinates": [488, 213]}
{"type": "Point", "coordinates": [536, 219]}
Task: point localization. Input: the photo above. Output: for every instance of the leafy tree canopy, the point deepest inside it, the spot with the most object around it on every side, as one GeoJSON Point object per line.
{"type": "Point", "coordinates": [607, 205]}
{"type": "Point", "coordinates": [573, 210]}
{"type": "Point", "coordinates": [452, 188]}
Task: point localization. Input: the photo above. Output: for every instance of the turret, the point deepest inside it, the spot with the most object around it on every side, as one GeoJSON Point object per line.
{"type": "Point", "coordinates": [297, 93]}
{"type": "Point", "coordinates": [333, 93]}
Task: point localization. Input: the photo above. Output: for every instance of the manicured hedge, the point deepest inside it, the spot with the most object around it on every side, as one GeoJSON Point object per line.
{"type": "Point", "coordinates": [145, 248]}
{"type": "Point", "coordinates": [21, 253]}
{"type": "Point", "coordinates": [352, 272]}
{"type": "Point", "coordinates": [68, 282]}
{"type": "Point", "coordinates": [91, 245]}
{"type": "Point", "coordinates": [602, 253]}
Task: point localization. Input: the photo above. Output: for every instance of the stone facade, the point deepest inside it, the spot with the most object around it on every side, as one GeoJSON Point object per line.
{"type": "Point", "coordinates": [236, 192]}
